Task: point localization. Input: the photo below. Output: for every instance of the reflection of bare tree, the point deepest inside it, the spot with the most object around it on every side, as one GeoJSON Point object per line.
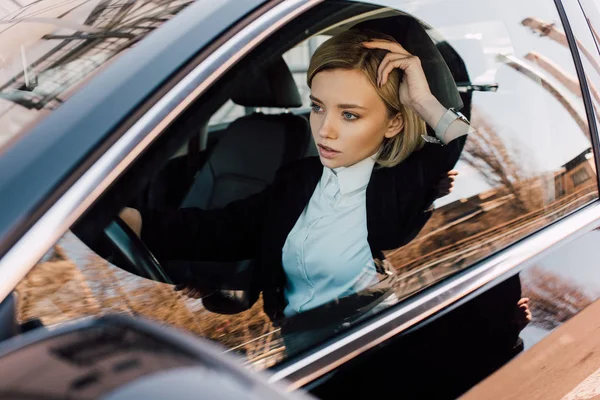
{"type": "Point", "coordinates": [59, 290]}
{"type": "Point", "coordinates": [486, 152]}
{"type": "Point", "coordinates": [55, 291]}
{"type": "Point", "coordinates": [116, 290]}
{"type": "Point", "coordinates": [551, 31]}
{"type": "Point", "coordinates": [554, 299]}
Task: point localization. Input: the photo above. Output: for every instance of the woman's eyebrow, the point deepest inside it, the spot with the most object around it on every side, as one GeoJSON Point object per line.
{"type": "Point", "coordinates": [343, 105]}
{"type": "Point", "coordinates": [313, 98]}
{"type": "Point", "coordinates": [346, 105]}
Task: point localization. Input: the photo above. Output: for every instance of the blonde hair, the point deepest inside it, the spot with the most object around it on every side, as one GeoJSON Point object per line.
{"type": "Point", "coordinates": [345, 51]}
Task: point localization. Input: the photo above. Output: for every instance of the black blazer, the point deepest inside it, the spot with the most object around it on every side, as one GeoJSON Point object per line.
{"type": "Point", "coordinates": [397, 202]}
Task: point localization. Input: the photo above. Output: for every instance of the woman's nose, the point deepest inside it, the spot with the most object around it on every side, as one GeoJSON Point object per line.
{"type": "Point", "coordinates": [327, 130]}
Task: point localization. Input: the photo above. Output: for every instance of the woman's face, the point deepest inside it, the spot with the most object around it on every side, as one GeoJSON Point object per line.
{"type": "Point", "coordinates": [348, 119]}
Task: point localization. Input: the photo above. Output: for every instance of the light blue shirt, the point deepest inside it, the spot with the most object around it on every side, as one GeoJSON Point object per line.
{"type": "Point", "coordinates": [326, 255]}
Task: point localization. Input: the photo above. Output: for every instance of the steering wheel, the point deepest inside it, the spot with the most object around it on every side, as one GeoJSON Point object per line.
{"type": "Point", "coordinates": [136, 257]}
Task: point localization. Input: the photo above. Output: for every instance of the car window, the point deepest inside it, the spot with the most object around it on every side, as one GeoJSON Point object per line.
{"type": "Point", "coordinates": [527, 164]}
{"type": "Point", "coordinates": [529, 161]}
{"type": "Point", "coordinates": [47, 51]}
{"type": "Point", "coordinates": [514, 182]}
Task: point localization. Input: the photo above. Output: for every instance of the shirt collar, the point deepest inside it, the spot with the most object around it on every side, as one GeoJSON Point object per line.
{"type": "Point", "coordinates": [351, 178]}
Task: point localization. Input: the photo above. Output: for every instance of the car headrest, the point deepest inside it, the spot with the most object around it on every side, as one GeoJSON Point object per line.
{"type": "Point", "coordinates": [272, 86]}
{"type": "Point", "coordinates": [412, 36]}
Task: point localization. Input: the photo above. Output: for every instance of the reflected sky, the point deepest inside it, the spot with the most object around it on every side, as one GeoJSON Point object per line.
{"type": "Point", "coordinates": [526, 116]}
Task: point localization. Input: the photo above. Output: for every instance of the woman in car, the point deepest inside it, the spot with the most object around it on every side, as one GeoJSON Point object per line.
{"type": "Point", "coordinates": [319, 231]}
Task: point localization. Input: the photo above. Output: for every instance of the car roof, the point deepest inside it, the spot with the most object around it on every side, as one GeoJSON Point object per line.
{"type": "Point", "coordinates": [39, 164]}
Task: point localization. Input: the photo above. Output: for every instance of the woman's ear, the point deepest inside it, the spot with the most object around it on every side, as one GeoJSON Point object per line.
{"type": "Point", "coordinates": [395, 126]}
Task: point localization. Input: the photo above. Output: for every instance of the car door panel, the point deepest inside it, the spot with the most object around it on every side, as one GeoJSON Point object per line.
{"type": "Point", "coordinates": [562, 366]}
{"type": "Point", "coordinates": [562, 341]}
{"type": "Point", "coordinates": [449, 353]}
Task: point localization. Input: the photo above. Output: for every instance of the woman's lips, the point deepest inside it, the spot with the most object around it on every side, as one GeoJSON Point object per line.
{"type": "Point", "coordinates": [327, 152]}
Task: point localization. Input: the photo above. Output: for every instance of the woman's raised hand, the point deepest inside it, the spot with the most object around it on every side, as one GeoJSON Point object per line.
{"type": "Point", "coordinates": [414, 90]}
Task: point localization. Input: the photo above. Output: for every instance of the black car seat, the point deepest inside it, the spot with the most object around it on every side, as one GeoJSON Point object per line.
{"type": "Point", "coordinates": [244, 162]}
{"type": "Point", "coordinates": [253, 147]}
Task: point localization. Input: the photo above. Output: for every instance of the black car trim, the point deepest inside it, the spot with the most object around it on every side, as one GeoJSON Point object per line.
{"type": "Point", "coordinates": [585, 90]}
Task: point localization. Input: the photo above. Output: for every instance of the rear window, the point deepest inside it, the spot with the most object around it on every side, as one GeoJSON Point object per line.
{"type": "Point", "coordinates": [48, 49]}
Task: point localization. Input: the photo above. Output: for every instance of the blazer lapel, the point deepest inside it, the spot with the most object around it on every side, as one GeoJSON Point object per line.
{"type": "Point", "coordinates": [290, 197]}
{"type": "Point", "coordinates": [383, 207]}
{"type": "Point", "coordinates": [289, 200]}
{"type": "Point", "coordinates": [299, 190]}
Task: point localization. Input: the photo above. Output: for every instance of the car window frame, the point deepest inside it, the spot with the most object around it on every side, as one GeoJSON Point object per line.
{"type": "Point", "coordinates": [583, 82]}
{"type": "Point", "coordinates": [308, 367]}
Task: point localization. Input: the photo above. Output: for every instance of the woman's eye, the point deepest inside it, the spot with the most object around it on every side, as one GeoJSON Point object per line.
{"type": "Point", "coordinates": [349, 116]}
{"type": "Point", "coordinates": [315, 107]}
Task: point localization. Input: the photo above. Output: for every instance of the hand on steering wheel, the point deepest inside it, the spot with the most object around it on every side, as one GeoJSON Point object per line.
{"type": "Point", "coordinates": [137, 258]}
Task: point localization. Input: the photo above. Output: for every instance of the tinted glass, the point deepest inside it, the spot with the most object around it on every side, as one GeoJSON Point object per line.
{"type": "Point", "coordinates": [48, 50]}
{"type": "Point", "coordinates": [73, 282]}
{"type": "Point", "coordinates": [563, 286]}
{"type": "Point", "coordinates": [529, 162]}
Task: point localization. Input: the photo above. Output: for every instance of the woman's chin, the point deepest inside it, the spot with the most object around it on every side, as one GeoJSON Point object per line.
{"type": "Point", "coordinates": [330, 163]}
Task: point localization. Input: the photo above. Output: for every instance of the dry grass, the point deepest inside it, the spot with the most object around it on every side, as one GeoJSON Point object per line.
{"type": "Point", "coordinates": [58, 290]}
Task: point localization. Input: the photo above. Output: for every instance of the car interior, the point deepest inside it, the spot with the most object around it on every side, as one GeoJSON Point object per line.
{"type": "Point", "coordinates": [230, 161]}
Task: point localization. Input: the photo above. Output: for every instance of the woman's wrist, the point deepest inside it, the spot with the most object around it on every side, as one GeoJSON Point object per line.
{"type": "Point", "coordinates": [430, 110]}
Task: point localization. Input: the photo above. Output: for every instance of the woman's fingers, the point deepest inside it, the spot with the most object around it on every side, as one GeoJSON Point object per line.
{"type": "Point", "coordinates": [402, 62]}
{"type": "Point", "coordinates": [383, 64]}
{"type": "Point", "coordinates": [388, 45]}
{"type": "Point", "coordinates": [133, 219]}
{"type": "Point", "coordinates": [392, 60]}
{"type": "Point", "coordinates": [445, 185]}
{"type": "Point", "coordinates": [523, 301]}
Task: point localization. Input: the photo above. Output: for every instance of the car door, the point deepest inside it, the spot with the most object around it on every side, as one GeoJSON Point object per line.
{"type": "Point", "coordinates": [562, 363]}
{"type": "Point", "coordinates": [443, 355]}
{"type": "Point", "coordinates": [460, 279]}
